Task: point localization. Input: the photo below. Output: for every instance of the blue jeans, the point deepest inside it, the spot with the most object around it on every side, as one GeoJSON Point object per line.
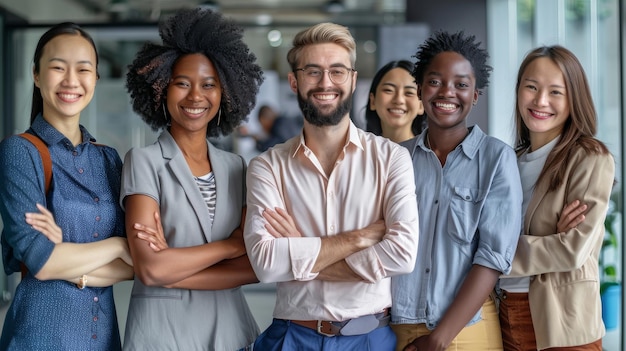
{"type": "Point", "coordinates": [287, 336]}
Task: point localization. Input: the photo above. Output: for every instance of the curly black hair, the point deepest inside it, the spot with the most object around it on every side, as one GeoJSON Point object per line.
{"type": "Point", "coordinates": [467, 46]}
{"type": "Point", "coordinates": [192, 31]}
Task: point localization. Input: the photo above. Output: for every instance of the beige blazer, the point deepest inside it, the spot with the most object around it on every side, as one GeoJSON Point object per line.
{"type": "Point", "coordinates": [564, 290]}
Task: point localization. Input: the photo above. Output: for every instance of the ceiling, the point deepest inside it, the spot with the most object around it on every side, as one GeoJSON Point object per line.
{"type": "Point", "coordinates": [260, 12]}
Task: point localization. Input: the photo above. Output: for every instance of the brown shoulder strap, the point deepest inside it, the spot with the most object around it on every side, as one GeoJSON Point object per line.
{"type": "Point", "coordinates": [45, 157]}
{"type": "Point", "coordinates": [46, 160]}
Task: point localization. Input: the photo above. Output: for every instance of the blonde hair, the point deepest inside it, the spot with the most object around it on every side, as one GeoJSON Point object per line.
{"type": "Point", "coordinates": [319, 34]}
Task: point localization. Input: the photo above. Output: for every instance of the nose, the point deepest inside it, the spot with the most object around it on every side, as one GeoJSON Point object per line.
{"type": "Point", "coordinates": [447, 90]}
{"type": "Point", "coordinates": [70, 79]}
{"type": "Point", "coordinates": [541, 98]}
{"type": "Point", "coordinates": [194, 93]}
{"type": "Point", "coordinates": [398, 98]}
{"type": "Point", "coordinates": [325, 79]}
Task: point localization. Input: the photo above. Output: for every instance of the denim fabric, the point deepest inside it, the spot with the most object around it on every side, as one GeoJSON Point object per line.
{"type": "Point", "coordinates": [469, 213]}
{"type": "Point", "coordinates": [282, 335]}
{"type": "Point", "coordinates": [55, 314]}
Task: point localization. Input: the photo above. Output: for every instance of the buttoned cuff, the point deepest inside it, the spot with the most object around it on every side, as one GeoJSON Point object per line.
{"type": "Point", "coordinates": [303, 253]}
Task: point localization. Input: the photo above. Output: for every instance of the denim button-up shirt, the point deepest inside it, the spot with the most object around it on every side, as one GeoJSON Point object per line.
{"type": "Point", "coordinates": [469, 213]}
{"type": "Point", "coordinates": [55, 314]}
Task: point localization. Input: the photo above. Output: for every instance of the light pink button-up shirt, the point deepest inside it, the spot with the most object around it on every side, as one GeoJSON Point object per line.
{"type": "Point", "coordinates": [371, 180]}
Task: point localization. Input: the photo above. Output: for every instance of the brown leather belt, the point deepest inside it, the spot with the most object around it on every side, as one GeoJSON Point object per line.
{"type": "Point", "coordinates": [329, 328]}
{"type": "Point", "coordinates": [513, 296]}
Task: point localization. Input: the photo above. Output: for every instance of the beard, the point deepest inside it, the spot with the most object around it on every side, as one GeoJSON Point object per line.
{"type": "Point", "coordinates": [316, 117]}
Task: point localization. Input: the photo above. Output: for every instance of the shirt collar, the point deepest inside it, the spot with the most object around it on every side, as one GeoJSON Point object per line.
{"type": "Point", "coordinates": [51, 136]}
{"type": "Point", "coordinates": [353, 138]}
{"type": "Point", "coordinates": [469, 145]}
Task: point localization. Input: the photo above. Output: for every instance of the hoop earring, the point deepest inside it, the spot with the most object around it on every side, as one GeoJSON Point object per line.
{"type": "Point", "coordinates": [219, 115]}
{"type": "Point", "coordinates": [164, 113]}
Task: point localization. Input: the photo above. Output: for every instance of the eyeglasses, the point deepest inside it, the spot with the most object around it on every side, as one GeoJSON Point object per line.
{"type": "Point", "coordinates": [337, 75]}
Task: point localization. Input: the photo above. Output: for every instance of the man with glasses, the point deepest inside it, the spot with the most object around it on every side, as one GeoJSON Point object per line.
{"type": "Point", "coordinates": [331, 213]}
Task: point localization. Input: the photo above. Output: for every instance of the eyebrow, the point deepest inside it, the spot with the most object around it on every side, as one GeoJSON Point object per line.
{"type": "Point", "coordinates": [438, 74]}
{"type": "Point", "coordinates": [54, 59]}
{"type": "Point", "coordinates": [331, 66]}
{"type": "Point", "coordinates": [551, 85]}
{"type": "Point", "coordinates": [183, 76]}
{"type": "Point", "coordinates": [407, 86]}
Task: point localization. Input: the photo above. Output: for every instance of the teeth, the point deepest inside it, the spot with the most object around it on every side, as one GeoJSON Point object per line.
{"type": "Point", "coordinates": [325, 97]}
{"type": "Point", "coordinates": [541, 114]}
{"type": "Point", "coordinates": [398, 111]}
{"type": "Point", "coordinates": [445, 106]}
{"type": "Point", "coordinates": [194, 111]}
{"type": "Point", "coordinates": [69, 96]}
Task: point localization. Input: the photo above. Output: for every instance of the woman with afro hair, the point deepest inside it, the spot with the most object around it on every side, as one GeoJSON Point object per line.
{"type": "Point", "coordinates": [184, 198]}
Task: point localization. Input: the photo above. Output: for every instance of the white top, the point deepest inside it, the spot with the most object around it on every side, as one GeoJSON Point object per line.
{"type": "Point", "coordinates": [530, 165]}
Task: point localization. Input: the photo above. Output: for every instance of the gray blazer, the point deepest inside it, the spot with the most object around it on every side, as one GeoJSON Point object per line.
{"type": "Point", "coordinates": [180, 319]}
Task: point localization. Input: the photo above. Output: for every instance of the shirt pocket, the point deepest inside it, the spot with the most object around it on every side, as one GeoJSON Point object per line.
{"type": "Point", "coordinates": [464, 214]}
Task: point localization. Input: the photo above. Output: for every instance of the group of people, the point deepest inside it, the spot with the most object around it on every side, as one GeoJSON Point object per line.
{"type": "Point", "coordinates": [459, 243]}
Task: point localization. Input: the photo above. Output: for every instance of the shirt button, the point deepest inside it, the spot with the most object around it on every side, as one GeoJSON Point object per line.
{"type": "Point", "coordinates": [98, 218]}
{"type": "Point", "coordinates": [436, 202]}
{"type": "Point", "coordinates": [95, 319]}
{"type": "Point", "coordinates": [427, 270]}
{"type": "Point", "coordinates": [80, 170]}
{"type": "Point", "coordinates": [74, 153]}
{"type": "Point", "coordinates": [94, 336]}
{"type": "Point", "coordinates": [96, 299]}
{"type": "Point", "coordinates": [467, 197]}
{"type": "Point", "coordinates": [95, 235]}
{"type": "Point", "coordinates": [96, 199]}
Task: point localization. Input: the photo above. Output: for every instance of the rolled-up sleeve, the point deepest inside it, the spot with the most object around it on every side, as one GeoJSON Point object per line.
{"type": "Point", "coordinates": [500, 219]}
{"type": "Point", "coordinates": [397, 252]}
{"type": "Point", "coordinates": [273, 259]}
{"type": "Point", "coordinates": [21, 172]}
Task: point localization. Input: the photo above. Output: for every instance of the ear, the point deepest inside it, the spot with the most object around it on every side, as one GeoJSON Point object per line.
{"type": "Point", "coordinates": [35, 78]}
{"type": "Point", "coordinates": [293, 82]}
{"type": "Point", "coordinates": [372, 103]}
{"type": "Point", "coordinates": [420, 108]}
{"type": "Point", "coordinates": [476, 94]}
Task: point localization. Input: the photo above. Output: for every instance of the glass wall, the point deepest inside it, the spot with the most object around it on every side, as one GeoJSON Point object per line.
{"type": "Point", "coordinates": [590, 29]}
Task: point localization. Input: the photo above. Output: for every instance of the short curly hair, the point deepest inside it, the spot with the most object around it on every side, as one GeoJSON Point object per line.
{"type": "Point", "coordinates": [192, 31]}
{"type": "Point", "coordinates": [457, 42]}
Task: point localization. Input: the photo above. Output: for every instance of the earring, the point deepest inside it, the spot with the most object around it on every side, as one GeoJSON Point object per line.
{"type": "Point", "coordinates": [164, 113]}
{"type": "Point", "coordinates": [219, 115]}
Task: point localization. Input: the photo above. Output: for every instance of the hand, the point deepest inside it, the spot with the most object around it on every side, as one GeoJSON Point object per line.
{"type": "Point", "coordinates": [424, 343]}
{"type": "Point", "coordinates": [236, 241]}
{"type": "Point", "coordinates": [154, 237]}
{"type": "Point", "coordinates": [571, 216]}
{"type": "Point", "coordinates": [44, 223]}
{"type": "Point", "coordinates": [372, 234]}
{"type": "Point", "coordinates": [280, 224]}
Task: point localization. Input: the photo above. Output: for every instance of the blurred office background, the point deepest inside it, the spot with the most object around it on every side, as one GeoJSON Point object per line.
{"type": "Point", "coordinates": [384, 29]}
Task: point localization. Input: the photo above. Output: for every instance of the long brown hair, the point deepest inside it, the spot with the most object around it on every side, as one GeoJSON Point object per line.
{"type": "Point", "coordinates": [579, 128]}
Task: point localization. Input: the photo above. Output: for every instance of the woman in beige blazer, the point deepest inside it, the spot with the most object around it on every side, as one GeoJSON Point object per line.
{"type": "Point", "coordinates": [554, 301]}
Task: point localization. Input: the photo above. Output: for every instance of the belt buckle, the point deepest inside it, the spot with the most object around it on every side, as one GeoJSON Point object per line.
{"type": "Point", "coordinates": [319, 329]}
